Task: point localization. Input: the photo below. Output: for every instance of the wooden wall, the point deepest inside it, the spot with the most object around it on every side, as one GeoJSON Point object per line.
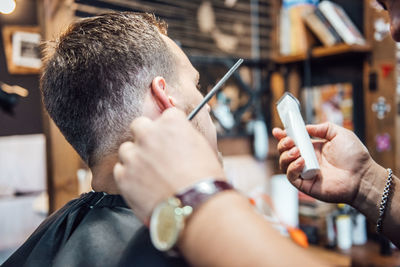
{"type": "Point", "coordinates": [383, 55]}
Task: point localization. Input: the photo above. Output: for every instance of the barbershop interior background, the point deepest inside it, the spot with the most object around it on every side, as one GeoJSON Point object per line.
{"type": "Point", "coordinates": [345, 74]}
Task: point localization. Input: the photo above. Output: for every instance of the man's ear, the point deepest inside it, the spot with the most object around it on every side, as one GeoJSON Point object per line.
{"type": "Point", "coordinates": [160, 95]}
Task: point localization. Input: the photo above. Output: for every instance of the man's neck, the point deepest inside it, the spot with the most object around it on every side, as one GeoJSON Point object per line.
{"type": "Point", "coordinates": [103, 178]}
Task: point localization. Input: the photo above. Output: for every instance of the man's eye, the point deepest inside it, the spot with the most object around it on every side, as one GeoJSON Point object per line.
{"type": "Point", "coordinates": [198, 86]}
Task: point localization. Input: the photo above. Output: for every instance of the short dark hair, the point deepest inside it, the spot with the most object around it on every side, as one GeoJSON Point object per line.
{"type": "Point", "coordinates": [96, 75]}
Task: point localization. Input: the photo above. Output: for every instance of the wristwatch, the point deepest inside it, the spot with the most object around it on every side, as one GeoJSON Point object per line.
{"type": "Point", "coordinates": [168, 218]}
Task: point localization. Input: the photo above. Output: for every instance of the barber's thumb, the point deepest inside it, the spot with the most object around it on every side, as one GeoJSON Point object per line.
{"type": "Point", "coordinates": [118, 172]}
{"type": "Point", "coordinates": [325, 130]}
{"type": "Point", "coordinates": [140, 126]}
{"type": "Point", "coordinates": [173, 113]}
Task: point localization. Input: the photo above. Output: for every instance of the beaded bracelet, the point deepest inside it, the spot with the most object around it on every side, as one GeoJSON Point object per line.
{"type": "Point", "coordinates": [385, 196]}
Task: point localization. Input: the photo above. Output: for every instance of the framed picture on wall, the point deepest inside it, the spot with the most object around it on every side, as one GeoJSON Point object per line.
{"type": "Point", "coordinates": [25, 49]}
{"type": "Point", "coordinates": [21, 44]}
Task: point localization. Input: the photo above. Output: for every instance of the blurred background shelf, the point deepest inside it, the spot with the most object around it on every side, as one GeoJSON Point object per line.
{"type": "Point", "coordinates": [320, 52]}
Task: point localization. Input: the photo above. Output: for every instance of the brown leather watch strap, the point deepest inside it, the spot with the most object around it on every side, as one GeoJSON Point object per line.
{"type": "Point", "coordinates": [202, 191]}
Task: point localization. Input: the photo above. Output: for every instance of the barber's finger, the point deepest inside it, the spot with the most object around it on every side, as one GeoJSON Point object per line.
{"type": "Point", "coordinates": [285, 144]}
{"type": "Point", "coordinates": [294, 169]}
{"type": "Point", "coordinates": [173, 117]}
{"type": "Point", "coordinates": [278, 133]}
{"type": "Point", "coordinates": [288, 157]}
{"type": "Point", "coordinates": [325, 130]}
{"type": "Point", "coordinates": [173, 113]}
{"type": "Point", "coordinates": [140, 127]}
{"type": "Point", "coordinates": [125, 152]}
{"type": "Point", "coordinates": [119, 172]}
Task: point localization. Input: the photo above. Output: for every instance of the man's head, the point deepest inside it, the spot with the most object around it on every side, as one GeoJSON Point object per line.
{"type": "Point", "coordinates": [393, 7]}
{"type": "Point", "coordinates": [107, 70]}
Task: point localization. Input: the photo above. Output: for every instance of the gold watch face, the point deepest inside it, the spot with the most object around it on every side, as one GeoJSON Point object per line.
{"type": "Point", "coordinates": [166, 223]}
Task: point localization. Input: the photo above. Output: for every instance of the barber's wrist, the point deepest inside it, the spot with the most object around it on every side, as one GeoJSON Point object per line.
{"type": "Point", "coordinates": [170, 216]}
{"type": "Point", "coordinates": [218, 206]}
{"type": "Point", "coordinates": [370, 190]}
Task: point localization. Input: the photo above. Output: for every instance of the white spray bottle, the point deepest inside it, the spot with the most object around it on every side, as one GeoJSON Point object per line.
{"type": "Point", "coordinates": [289, 111]}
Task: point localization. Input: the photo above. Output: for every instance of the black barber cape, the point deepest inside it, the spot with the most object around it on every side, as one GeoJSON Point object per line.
{"type": "Point", "coordinates": [96, 229]}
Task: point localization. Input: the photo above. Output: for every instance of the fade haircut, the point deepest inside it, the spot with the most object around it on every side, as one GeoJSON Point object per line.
{"type": "Point", "coordinates": [96, 75]}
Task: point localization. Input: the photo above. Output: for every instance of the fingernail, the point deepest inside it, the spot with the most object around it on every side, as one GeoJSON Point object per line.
{"type": "Point", "coordinates": [293, 152]}
{"type": "Point", "coordinates": [286, 143]}
{"type": "Point", "coordinates": [299, 161]}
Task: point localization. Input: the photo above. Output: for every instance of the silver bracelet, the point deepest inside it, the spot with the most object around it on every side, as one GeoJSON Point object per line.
{"type": "Point", "coordinates": [385, 196]}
